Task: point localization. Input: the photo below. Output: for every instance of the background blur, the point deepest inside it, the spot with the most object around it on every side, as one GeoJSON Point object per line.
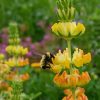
{"type": "Point", "coordinates": [35, 18]}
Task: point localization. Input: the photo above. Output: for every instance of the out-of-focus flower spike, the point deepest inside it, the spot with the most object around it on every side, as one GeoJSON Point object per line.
{"type": "Point", "coordinates": [13, 28]}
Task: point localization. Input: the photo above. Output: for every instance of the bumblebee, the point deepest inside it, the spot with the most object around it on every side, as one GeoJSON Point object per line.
{"type": "Point", "coordinates": [46, 60]}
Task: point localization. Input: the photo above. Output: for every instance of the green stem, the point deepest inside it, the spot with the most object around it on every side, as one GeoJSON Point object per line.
{"type": "Point", "coordinates": [71, 67]}
{"type": "Point", "coordinates": [69, 48]}
{"type": "Point", "coordinates": [70, 55]}
{"type": "Point", "coordinates": [73, 91]}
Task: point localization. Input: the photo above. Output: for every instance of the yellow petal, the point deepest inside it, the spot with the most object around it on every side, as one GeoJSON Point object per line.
{"type": "Point", "coordinates": [87, 58]}
{"type": "Point", "coordinates": [79, 29]}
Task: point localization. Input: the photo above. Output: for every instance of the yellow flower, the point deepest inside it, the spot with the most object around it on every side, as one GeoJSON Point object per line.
{"type": "Point", "coordinates": [68, 29]}
{"type": "Point", "coordinates": [2, 56]}
{"type": "Point", "coordinates": [79, 58]}
{"type": "Point", "coordinates": [12, 62]}
{"type": "Point", "coordinates": [56, 68]}
{"type": "Point", "coordinates": [4, 68]}
{"type": "Point", "coordinates": [16, 50]}
{"type": "Point", "coordinates": [62, 59]}
{"type": "Point", "coordinates": [24, 51]}
{"type": "Point", "coordinates": [87, 58]}
{"type": "Point", "coordinates": [20, 62]}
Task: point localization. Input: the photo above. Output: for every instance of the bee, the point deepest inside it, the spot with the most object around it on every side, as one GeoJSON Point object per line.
{"type": "Point", "coordinates": [46, 60]}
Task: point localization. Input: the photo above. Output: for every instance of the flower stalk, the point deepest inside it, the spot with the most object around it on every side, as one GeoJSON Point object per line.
{"type": "Point", "coordinates": [64, 62]}
{"type": "Point", "coordinates": [69, 48]}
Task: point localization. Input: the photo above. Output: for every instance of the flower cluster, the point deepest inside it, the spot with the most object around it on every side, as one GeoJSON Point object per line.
{"type": "Point", "coordinates": [62, 60]}
{"type": "Point", "coordinates": [13, 76]}
{"type": "Point", "coordinates": [4, 86]}
{"type": "Point", "coordinates": [72, 80]}
{"type": "Point", "coordinates": [4, 68]}
{"type": "Point", "coordinates": [68, 29]}
{"type": "Point", "coordinates": [64, 64]}
{"type": "Point", "coordinates": [78, 95]}
{"type": "Point", "coordinates": [16, 50]}
{"type": "Point", "coordinates": [14, 62]}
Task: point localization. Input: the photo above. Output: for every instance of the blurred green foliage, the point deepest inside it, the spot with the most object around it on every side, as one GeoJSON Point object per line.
{"type": "Point", "coordinates": [27, 12]}
{"type": "Point", "coordinates": [30, 12]}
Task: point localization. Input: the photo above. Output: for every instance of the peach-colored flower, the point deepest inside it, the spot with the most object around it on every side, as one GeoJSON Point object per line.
{"type": "Point", "coordinates": [23, 62]}
{"type": "Point", "coordinates": [13, 76]}
{"type": "Point", "coordinates": [78, 94]}
{"type": "Point", "coordinates": [69, 94]}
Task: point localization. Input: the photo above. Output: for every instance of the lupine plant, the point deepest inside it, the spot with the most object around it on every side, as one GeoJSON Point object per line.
{"type": "Point", "coordinates": [68, 66]}
{"type": "Point", "coordinates": [16, 61]}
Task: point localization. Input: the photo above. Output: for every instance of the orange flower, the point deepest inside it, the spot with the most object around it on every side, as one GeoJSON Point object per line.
{"type": "Point", "coordinates": [69, 94]}
{"type": "Point", "coordinates": [61, 80]}
{"type": "Point", "coordinates": [22, 62]}
{"type": "Point", "coordinates": [10, 88]}
{"type": "Point", "coordinates": [78, 94]}
{"type": "Point", "coordinates": [84, 78]}
{"type": "Point", "coordinates": [72, 80]}
{"type": "Point", "coordinates": [24, 77]}
{"type": "Point", "coordinates": [4, 86]}
{"type": "Point", "coordinates": [11, 76]}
